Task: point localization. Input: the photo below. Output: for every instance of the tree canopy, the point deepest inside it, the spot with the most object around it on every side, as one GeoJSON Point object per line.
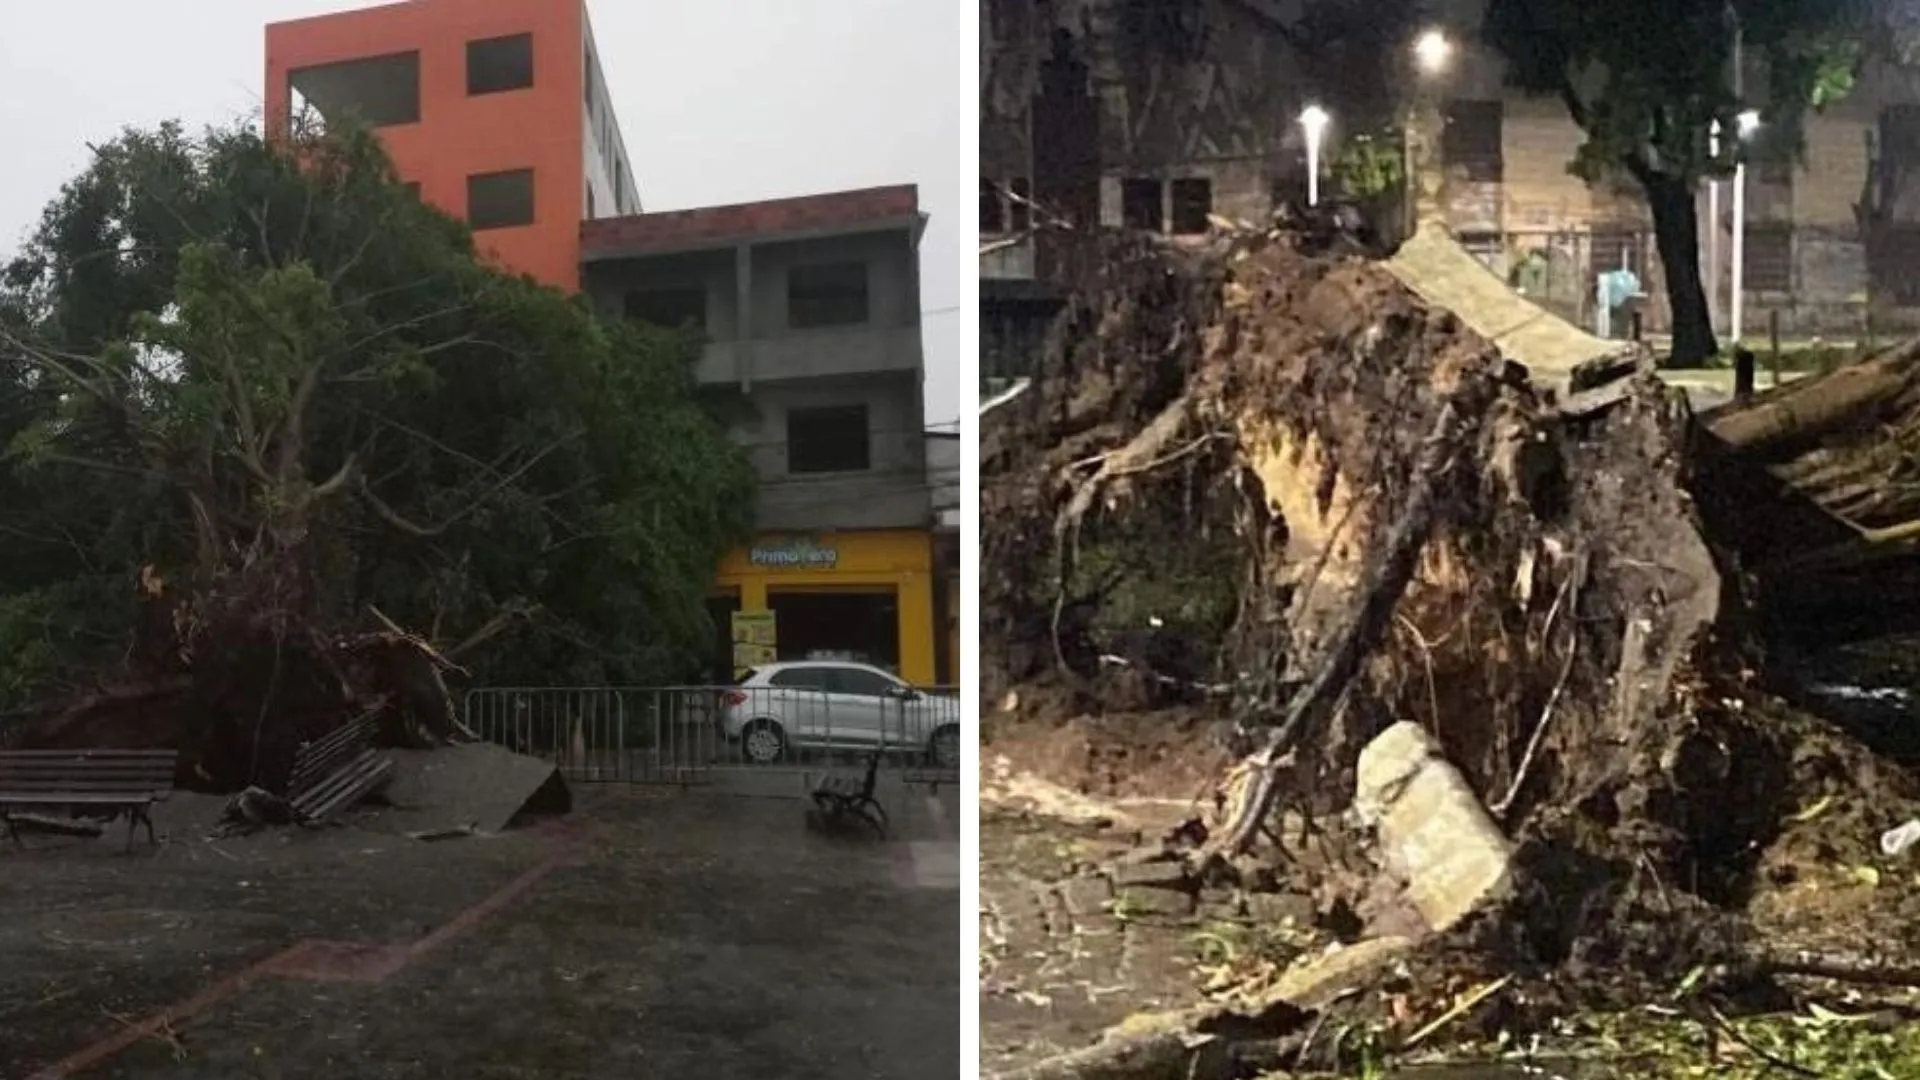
{"type": "Point", "coordinates": [218, 351]}
{"type": "Point", "coordinates": [1646, 80]}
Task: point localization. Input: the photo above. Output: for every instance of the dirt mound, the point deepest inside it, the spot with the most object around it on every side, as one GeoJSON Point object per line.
{"type": "Point", "coordinates": [1262, 481]}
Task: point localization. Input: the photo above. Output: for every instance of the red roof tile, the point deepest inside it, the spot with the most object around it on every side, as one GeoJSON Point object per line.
{"type": "Point", "coordinates": [684, 228]}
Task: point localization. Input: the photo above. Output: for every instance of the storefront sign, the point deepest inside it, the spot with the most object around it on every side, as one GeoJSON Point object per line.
{"type": "Point", "coordinates": [801, 554]}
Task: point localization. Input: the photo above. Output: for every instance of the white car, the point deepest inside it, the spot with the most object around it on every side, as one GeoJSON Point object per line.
{"type": "Point", "coordinates": [837, 705]}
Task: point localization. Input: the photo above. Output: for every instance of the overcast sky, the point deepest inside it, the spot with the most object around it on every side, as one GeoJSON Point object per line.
{"type": "Point", "coordinates": [721, 101]}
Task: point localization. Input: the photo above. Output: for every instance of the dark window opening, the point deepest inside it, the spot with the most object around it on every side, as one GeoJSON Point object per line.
{"type": "Point", "coordinates": [863, 627]}
{"type": "Point", "coordinates": [1020, 204]}
{"type": "Point", "coordinates": [379, 90]}
{"type": "Point", "coordinates": [587, 83]}
{"type": "Point", "coordinates": [830, 294]}
{"type": "Point", "coordinates": [830, 439]}
{"type": "Point", "coordinates": [1471, 140]}
{"type": "Point", "coordinates": [1140, 198]}
{"type": "Point", "coordinates": [500, 200]}
{"type": "Point", "coordinates": [993, 217]}
{"type": "Point", "coordinates": [1766, 264]}
{"type": "Point", "coordinates": [592, 211]}
{"type": "Point", "coordinates": [674, 309]}
{"type": "Point", "coordinates": [1192, 202]}
{"type": "Point", "coordinates": [619, 184]}
{"type": "Point", "coordinates": [499, 64]}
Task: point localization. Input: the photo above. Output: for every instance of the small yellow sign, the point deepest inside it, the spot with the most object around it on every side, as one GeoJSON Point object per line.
{"type": "Point", "coordinates": [755, 640]}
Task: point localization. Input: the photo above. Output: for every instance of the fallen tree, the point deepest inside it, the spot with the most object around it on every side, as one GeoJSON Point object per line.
{"type": "Point", "coordinates": [254, 394]}
{"type": "Point", "coordinates": [1365, 515]}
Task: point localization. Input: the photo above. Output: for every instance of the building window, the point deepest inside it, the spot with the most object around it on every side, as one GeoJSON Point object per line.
{"type": "Point", "coordinates": [588, 82]}
{"type": "Point", "coordinates": [833, 439]}
{"type": "Point", "coordinates": [674, 309]}
{"type": "Point", "coordinates": [592, 211]}
{"type": "Point", "coordinates": [1192, 202]}
{"type": "Point", "coordinates": [1140, 199]}
{"type": "Point", "coordinates": [498, 64]}
{"type": "Point", "coordinates": [831, 294]}
{"type": "Point", "coordinates": [1766, 263]}
{"type": "Point", "coordinates": [993, 217]}
{"type": "Point", "coordinates": [1020, 204]}
{"type": "Point", "coordinates": [500, 200]}
{"type": "Point", "coordinates": [1471, 140]}
{"type": "Point", "coordinates": [379, 90]}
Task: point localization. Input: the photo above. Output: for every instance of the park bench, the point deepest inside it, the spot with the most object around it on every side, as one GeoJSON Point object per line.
{"type": "Point", "coordinates": [336, 771]}
{"type": "Point", "coordinates": [841, 797]}
{"type": "Point", "coordinates": [128, 781]}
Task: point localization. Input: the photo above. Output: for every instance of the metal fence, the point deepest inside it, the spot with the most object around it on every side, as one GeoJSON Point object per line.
{"type": "Point", "coordinates": [685, 734]}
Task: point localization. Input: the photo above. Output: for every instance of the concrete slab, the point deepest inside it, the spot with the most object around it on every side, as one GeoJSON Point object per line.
{"type": "Point", "coordinates": [1435, 266]}
{"type": "Point", "coordinates": [478, 784]}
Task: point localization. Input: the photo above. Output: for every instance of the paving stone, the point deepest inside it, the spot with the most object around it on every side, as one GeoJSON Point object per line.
{"type": "Point", "coordinates": [1158, 875]}
{"type": "Point", "coordinates": [1086, 895]}
{"type": "Point", "coordinates": [1142, 900]}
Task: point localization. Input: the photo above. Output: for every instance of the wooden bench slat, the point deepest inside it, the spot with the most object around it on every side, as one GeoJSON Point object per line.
{"type": "Point", "coordinates": [39, 798]}
{"type": "Point", "coordinates": [88, 755]}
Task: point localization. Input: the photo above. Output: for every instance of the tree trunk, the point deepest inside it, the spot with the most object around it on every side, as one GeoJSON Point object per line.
{"type": "Point", "coordinates": [1676, 231]}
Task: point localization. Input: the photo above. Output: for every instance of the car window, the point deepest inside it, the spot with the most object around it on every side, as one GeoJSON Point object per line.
{"type": "Point", "coordinates": [800, 678]}
{"type": "Point", "coordinates": [859, 681]}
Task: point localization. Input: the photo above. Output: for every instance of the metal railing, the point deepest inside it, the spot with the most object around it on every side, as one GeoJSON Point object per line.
{"type": "Point", "coordinates": [682, 734]}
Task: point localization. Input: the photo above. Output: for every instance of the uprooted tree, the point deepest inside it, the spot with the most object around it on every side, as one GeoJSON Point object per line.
{"type": "Point", "coordinates": [1261, 480]}
{"type": "Point", "coordinates": [255, 396]}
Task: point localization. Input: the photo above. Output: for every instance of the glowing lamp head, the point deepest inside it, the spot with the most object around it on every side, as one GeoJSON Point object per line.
{"type": "Point", "coordinates": [1314, 120]}
{"type": "Point", "coordinates": [1432, 51]}
{"type": "Point", "coordinates": [1749, 122]}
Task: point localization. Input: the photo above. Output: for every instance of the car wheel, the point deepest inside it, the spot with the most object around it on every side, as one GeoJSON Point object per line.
{"type": "Point", "coordinates": [764, 742]}
{"type": "Point", "coordinates": [943, 750]}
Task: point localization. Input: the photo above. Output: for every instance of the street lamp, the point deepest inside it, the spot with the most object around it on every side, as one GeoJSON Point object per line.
{"type": "Point", "coordinates": [1431, 51]}
{"type": "Point", "coordinates": [1746, 124]}
{"type": "Point", "coordinates": [1313, 121]}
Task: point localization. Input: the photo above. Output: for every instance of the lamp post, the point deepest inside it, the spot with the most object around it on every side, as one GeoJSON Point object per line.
{"type": "Point", "coordinates": [1313, 121]}
{"type": "Point", "coordinates": [1748, 123]}
{"type": "Point", "coordinates": [1432, 53]}
{"type": "Point", "coordinates": [1713, 230]}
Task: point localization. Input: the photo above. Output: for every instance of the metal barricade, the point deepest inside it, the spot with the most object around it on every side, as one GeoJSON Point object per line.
{"type": "Point", "coordinates": [683, 734]}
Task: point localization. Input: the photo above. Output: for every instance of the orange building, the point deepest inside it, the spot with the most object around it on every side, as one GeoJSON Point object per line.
{"type": "Point", "coordinates": [498, 112]}
{"type": "Point", "coordinates": [496, 109]}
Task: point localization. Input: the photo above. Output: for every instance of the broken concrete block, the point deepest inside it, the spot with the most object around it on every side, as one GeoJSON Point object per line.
{"type": "Point", "coordinates": [1433, 833]}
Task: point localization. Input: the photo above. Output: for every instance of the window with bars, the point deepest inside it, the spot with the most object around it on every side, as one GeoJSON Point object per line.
{"type": "Point", "coordinates": [1471, 139]}
{"type": "Point", "coordinates": [827, 294]}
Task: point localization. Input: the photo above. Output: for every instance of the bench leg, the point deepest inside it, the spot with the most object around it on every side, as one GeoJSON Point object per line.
{"type": "Point", "coordinates": [13, 830]}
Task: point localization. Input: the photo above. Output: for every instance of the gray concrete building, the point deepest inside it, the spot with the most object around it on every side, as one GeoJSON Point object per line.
{"type": "Point", "coordinates": [811, 311]}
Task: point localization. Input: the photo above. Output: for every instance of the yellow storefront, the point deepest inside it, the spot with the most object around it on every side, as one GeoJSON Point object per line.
{"type": "Point", "coordinates": [856, 595]}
